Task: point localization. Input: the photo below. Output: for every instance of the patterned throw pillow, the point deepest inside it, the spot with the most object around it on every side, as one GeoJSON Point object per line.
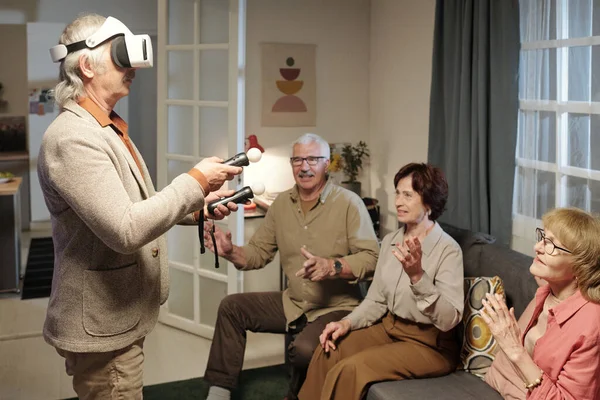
{"type": "Point", "coordinates": [479, 345]}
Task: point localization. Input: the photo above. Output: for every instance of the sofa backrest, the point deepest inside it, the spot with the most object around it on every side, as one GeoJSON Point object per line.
{"type": "Point", "coordinates": [482, 257]}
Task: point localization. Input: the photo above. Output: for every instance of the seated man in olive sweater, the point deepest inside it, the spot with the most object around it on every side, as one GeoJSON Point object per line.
{"type": "Point", "coordinates": [327, 244]}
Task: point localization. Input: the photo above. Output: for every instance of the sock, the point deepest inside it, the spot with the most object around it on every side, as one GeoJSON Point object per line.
{"type": "Point", "coordinates": [218, 393]}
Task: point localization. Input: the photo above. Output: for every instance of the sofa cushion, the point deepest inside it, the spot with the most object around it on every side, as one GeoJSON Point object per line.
{"type": "Point", "coordinates": [458, 385]}
{"type": "Point", "coordinates": [478, 345]}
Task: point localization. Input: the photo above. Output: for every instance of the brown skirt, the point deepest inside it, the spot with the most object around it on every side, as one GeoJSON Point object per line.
{"type": "Point", "coordinates": [392, 349]}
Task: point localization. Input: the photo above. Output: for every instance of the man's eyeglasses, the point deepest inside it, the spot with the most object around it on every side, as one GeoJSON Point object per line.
{"type": "Point", "coordinates": [311, 160]}
{"type": "Point", "coordinates": [549, 245]}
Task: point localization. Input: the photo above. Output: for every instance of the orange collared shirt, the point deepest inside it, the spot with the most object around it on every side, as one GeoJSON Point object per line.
{"type": "Point", "coordinates": [116, 122]}
{"type": "Point", "coordinates": [120, 127]}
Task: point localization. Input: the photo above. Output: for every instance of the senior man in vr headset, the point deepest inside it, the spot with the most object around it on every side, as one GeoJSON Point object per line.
{"type": "Point", "coordinates": [108, 223]}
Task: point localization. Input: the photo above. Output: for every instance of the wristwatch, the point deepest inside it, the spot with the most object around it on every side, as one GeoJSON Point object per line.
{"type": "Point", "coordinates": [337, 266]}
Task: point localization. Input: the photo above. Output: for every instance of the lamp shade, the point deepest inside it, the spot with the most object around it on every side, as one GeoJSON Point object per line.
{"type": "Point", "coordinates": [252, 143]}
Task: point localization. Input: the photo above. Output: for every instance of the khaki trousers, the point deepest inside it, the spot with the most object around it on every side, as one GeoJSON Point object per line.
{"type": "Point", "coordinates": [112, 375]}
{"type": "Point", "coordinates": [392, 349]}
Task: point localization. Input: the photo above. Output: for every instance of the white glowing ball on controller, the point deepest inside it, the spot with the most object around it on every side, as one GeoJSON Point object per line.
{"type": "Point", "coordinates": [254, 155]}
{"type": "Point", "coordinates": [258, 188]}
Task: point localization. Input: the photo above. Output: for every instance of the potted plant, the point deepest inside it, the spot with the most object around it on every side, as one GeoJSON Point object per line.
{"type": "Point", "coordinates": [350, 162]}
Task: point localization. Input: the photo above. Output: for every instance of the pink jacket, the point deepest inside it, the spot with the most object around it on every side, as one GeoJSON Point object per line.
{"type": "Point", "coordinates": [569, 352]}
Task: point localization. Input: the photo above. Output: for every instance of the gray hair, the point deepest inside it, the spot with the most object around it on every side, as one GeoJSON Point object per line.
{"type": "Point", "coordinates": [70, 86]}
{"type": "Point", "coordinates": [309, 138]}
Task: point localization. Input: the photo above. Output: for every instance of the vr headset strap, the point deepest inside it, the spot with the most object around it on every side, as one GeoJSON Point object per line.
{"type": "Point", "coordinates": [73, 47]}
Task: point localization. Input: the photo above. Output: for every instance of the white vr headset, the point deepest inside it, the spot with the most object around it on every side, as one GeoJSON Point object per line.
{"type": "Point", "coordinates": [127, 50]}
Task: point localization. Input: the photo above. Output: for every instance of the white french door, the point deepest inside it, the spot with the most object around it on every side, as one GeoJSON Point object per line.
{"type": "Point", "coordinates": [201, 72]}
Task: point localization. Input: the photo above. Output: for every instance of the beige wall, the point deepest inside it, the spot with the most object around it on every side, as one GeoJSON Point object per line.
{"type": "Point", "coordinates": [139, 15]}
{"type": "Point", "coordinates": [401, 44]}
{"type": "Point", "coordinates": [13, 68]}
{"type": "Point", "coordinates": [340, 29]}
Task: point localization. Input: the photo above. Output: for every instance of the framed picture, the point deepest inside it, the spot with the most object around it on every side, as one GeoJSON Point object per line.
{"type": "Point", "coordinates": [289, 84]}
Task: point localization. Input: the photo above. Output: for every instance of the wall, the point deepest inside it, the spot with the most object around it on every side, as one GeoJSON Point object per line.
{"type": "Point", "coordinates": [401, 44]}
{"type": "Point", "coordinates": [340, 29]}
{"type": "Point", "coordinates": [13, 68]}
{"type": "Point", "coordinates": [13, 75]}
{"type": "Point", "coordinates": [138, 15]}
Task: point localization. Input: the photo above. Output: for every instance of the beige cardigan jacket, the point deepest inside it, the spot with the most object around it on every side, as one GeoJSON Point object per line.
{"type": "Point", "coordinates": [108, 226]}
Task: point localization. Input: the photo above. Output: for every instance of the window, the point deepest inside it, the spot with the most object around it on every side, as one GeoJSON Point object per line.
{"type": "Point", "coordinates": [558, 146]}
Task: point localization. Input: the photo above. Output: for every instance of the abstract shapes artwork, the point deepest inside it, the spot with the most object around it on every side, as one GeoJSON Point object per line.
{"type": "Point", "coordinates": [288, 84]}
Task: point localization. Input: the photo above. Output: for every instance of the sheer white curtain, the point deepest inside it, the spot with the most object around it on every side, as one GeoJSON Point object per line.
{"type": "Point", "coordinates": [558, 147]}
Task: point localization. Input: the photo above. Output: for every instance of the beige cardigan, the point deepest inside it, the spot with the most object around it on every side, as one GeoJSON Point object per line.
{"type": "Point", "coordinates": [108, 226]}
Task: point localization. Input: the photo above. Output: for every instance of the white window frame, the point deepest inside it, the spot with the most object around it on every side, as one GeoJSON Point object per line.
{"type": "Point", "coordinates": [524, 226]}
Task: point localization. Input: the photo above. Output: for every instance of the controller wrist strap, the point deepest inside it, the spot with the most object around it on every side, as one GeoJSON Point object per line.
{"type": "Point", "coordinates": [212, 236]}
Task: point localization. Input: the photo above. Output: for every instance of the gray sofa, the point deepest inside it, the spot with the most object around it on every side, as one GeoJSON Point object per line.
{"type": "Point", "coordinates": [481, 257]}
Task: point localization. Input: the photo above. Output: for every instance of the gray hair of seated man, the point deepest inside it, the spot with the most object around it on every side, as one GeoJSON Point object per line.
{"type": "Point", "coordinates": [309, 138]}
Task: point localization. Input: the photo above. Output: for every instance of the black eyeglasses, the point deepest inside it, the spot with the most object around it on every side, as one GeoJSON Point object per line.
{"type": "Point", "coordinates": [549, 245]}
{"type": "Point", "coordinates": [311, 160]}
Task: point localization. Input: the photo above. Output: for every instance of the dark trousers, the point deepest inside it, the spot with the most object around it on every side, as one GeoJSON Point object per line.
{"type": "Point", "coordinates": [260, 312]}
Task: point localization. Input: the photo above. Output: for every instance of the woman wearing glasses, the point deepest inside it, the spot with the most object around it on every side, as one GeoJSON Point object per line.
{"type": "Point", "coordinates": [557, 356]}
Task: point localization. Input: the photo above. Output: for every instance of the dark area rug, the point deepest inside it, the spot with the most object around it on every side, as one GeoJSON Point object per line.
{"type": "Point", "coordinates": [40, 266]}
{"type": "Point", "coordinates": [268, 383]}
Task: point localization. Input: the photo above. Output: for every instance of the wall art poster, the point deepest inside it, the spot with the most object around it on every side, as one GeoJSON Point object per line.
{"type": "Point", "coordinates": [289, 84]}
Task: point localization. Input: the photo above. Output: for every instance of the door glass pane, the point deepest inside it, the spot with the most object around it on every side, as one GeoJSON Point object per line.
{"type": "Point", "coordinates": [180, 120]}
{"type": "Point", "coordinates": [595, 141]}
{"type": "Point", "coordinates": [214, 21]}
{"type": "Point", "coordinates": [180, 21]}
{"type": "Point", "coordinates": [212, 292]}
{"type": "Point", "coordinates": [537, 136]}
{"type": "Point", "coordinates": [595, 196]}
{"type": "Point", "coordinates": [579, 73]}
{"type": "Point", "coordinates": [526, 136]}
{"type": "Point", "coordinates": [580, 18]}
{"type": "Point", "coordinates": [577, 191]}
{"type": "Point", "coordinates": [546, 143]}
{"type": "Point", "coordinates": [596, 18]}
{"type": "Point", "coordinates": [595, 76]}
{"type": "Point", "coordinates": [546, 192]}
{"type": "Point", "coordinates": [524, 191]}
{"type": "Point", "coordinates": [181, 293]}
{"type": "Point", "coordinates": [180, 75]}
{"type": "Point", "coordinates": [537, 76]}
{"type": "Point", "coordinates": [214, 75]}
{"type": "Point", "coordinates": [579, 134]}
{"type": "Point", "coordinates": [537, 20]}
{"type": "Point", "coordinates": [214, 132]}
{"type": "Point", "coordinates": [181, 241]}
{"type": "Point", "coordinates": [176, 168]}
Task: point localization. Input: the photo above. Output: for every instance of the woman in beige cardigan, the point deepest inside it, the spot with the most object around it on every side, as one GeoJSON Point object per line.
{"type": "Point", "coordinates": [402, 328]}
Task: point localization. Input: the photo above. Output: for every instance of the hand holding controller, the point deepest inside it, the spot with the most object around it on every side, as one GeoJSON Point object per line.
{"type": "Point", "coordinates": [244, 159]}
{"type": "Point", "coordinates": [239, 197]}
